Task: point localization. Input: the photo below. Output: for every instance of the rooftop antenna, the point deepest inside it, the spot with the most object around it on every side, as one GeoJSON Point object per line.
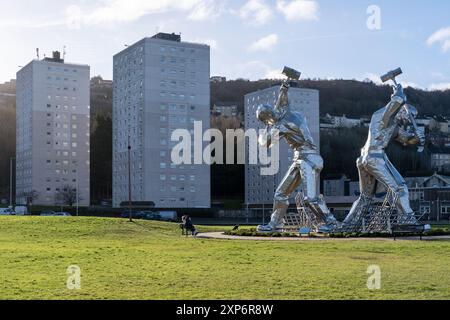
{"type": "Point", "coordinates": [37, 53]}
{"type": "Point", "coordinates": [64, 52]}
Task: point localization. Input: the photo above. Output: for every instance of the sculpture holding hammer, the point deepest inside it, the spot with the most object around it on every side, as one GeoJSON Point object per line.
{"type": "Point", "coordinates": [307, 164]}
{"type": "Point", "coordinates": [395, 121]}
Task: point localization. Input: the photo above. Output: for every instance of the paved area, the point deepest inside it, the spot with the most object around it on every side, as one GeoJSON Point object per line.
{"type": "Point", "coordinates": [222, 236]}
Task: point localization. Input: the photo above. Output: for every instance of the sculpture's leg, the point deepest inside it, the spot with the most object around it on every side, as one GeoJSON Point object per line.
{"type": "Point", "coordinates": [383, 170]}
{"type": "Point", "coordinates": [282, 195]}
{"type": "Point", "coordinates": [403, 204]}
{"type": "Point", "coordinates": [367, 185]}
{"type": "Point", "coordinates": [310, 169]}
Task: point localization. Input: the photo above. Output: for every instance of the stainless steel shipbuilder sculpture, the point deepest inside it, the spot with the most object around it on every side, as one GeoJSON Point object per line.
{"type": "Point", "coordinates": [307, 164]}
{"type": "Point", "coordinates": [395, 121]}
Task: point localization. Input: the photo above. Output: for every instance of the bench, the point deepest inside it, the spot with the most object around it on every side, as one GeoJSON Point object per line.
{"type": "Point", "coordinates": [403, 229]}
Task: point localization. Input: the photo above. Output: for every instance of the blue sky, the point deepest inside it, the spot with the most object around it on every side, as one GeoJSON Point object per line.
{"type": "Point", "coordinates": [250, 38]}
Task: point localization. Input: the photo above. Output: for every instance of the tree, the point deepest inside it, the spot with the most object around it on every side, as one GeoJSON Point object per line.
{"type": "Point", "coordinates": [29, 197]}
{"type": "Point", "coordinates": [67, 195]}
{"type": "Point", "coordinates": [101, 158]}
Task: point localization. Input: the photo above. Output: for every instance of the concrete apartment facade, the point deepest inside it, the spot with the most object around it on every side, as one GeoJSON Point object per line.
{"type": "Point", "coordinates": [53, 131]}
{"type": "Point", "coordinates": [259, 189]}
{"type": "Point", "coordinates": [160, 84]}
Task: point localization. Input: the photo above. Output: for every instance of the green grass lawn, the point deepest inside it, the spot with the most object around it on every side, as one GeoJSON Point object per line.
{"type": "Point", "coordinates": [150, 260]}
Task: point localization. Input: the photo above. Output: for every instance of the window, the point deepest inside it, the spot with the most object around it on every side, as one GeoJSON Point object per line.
{"type": "Point", "coordinates": [425, 210]}
{"type": "Point", "coordinates": [445, 209]}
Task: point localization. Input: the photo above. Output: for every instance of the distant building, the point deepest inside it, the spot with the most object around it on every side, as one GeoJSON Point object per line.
{"type": "Point", "coordinates": [340, 186]}
{"type": "Point", "coordinates": [99, 81]}
{"type": "Point", "coordinates": [439, 158]}
{"type": "Point", "coordinates": [160, 84]}
{"type": "Point", "coordinates": [439, 139]}
{"type": "Point", "coordinates": [217, 79]}
{"type": "Point", "coordinates": [225, 110]}
{"type": "Point", "coordinates": [336, 185]}
{"type": "Point", "coordinates": [430, 197]}
{"type": "Point", "coordinates": [330, 121]}
{"type": "Point", "coordinates": [259, 190]}
{"type": "Point", "coordinates": [439, 123]}
{"type": "Point", "coordinates": [353, 188]}
{"type": "Point", "coordinates": [8, 87]}
{"type": "Point", "coordinates": [53, 131]}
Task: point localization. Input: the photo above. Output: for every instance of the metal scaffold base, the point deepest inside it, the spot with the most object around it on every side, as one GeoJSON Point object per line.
{"type": "Point", "coordinates": [372, 217]}
{"type": "Point", "coordinates": [379, 217]}
{"type": "Point", "coordinates": [304, 218]}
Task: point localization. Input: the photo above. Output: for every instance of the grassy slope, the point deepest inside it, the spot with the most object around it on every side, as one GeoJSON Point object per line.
{"type": "Point", "coordinates": [150, 260]}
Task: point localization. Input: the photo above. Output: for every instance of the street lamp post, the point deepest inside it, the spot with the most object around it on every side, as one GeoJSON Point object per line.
{"type": "Point", "coordinates": [129, 179]}
{"type": "Point", "coordinates": [11, 181]}
{"type": "Point", "coordinates": [77, 194]}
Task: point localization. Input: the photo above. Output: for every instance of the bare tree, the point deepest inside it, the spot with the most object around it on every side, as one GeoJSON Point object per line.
{"type": "Point", "coordinates": [67, 195]}
{"type": "Point", "coordinates": [29, 197]}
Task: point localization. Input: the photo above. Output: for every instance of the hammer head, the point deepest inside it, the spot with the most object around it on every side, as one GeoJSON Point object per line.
{"type": "Point", "coordinates": [391, 75]}
{"type": "Point", "coordinates": [292, 74]}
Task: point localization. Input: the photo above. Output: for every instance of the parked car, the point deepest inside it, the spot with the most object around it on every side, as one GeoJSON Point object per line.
{"type": "Point", "coordinates": [21, 210]}
{"type": "Point", "coordinates": [152, 216]}
{"type": "Point", "coordinates": [48, 213]}
{"type": "Point", "coordinates": [62, 214]}
{"type": "Point", "coordinates": [170, 216]}
{"type": "Point", "coordinates": [134, 214]}
{"type": "Point", "coordinates": [7, 212]}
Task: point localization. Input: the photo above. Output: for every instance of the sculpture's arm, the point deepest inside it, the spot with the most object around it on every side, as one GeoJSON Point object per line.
{"type": "Point", "coordinates": [398, 100]}
{"type": "Point", "coordinates": [283, 100]}
{"type": "Point", "coordinates": [269, 137]}
{"type": "Point", "coordinates": [407, 138]}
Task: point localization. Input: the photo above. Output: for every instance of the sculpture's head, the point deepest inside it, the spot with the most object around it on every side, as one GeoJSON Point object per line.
{"type": "Point", "coordinates": [266, 114]}
{"type": "Point", "coordinates": [402, 115]}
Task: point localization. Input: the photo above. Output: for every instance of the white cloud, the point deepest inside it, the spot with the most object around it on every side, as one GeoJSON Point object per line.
{"type": "Point", "coordinates": [413, 85]}
{"type": "Point", "coordinates": [441, 36]}
{"type": "Point", "coordinates": [446, 45]}
{"type": "Point", "coordinates": [299, 9]}
{"type": "Point", "coordinates": [256, 12]}
{"type": "Point", "coordinates": [373, 78]}
{"type": "Point", "coordinates": [116, 11]}
{"type": "Point", "coordinates": [264, 44]}
{"type": "Point", "coordinates": [206, 10]}
{"type": "Point", "coordinates": [439, 86]}
{"type": "Point", "coordinates": [210, 42]}
{"type": "Point", "coordinates": [274, 74]}
{"type": "Point", "coordinates": [256, 70]}
{"type": "Point", "coordinates": [376, 79]}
